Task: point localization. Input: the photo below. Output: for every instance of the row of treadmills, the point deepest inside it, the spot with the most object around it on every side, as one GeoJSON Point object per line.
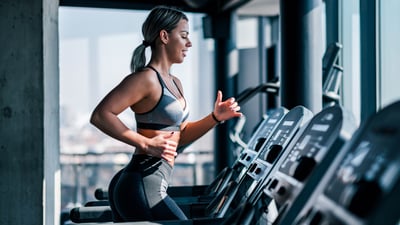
{"type": "Point", "coordinates": [297, 168]}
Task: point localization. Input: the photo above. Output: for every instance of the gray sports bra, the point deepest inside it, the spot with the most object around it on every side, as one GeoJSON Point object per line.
{"type": "Point", "coordinates": [167, 114]}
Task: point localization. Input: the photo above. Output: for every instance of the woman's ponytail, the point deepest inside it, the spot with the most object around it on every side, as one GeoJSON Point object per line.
{"type": "Point", "coordinates": [138, 60]}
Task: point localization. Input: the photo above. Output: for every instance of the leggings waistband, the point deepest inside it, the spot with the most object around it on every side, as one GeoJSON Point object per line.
{"type": "Point", "coordinates": [147, 164]}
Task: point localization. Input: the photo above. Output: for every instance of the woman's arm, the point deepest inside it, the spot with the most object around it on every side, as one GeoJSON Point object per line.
{"type": "Point", "coordinates": [223, 110]}
{"type": "Point", "coordinates": [108, 122]}
{"type": "Point", "coordinates": [105, 115]}
{"type": "Point", "coordinates": [133, 90]}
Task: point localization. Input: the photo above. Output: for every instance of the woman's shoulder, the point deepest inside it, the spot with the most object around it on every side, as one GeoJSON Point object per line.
{"type": "Point", "coordinates": [145, 76]}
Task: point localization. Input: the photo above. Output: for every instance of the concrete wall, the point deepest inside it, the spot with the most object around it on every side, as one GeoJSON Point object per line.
{"type": "Point", "coordinates": [29, 140]}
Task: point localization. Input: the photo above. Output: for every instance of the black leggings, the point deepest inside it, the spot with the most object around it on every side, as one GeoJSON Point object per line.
{"type": "Point", "coordinates": [139, 191]}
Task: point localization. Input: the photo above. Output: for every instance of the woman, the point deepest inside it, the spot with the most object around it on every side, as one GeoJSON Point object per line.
{"type": "Point", "coordinates": [139, 191]}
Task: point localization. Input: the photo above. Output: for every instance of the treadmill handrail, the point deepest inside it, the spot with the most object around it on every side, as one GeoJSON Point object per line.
{"type": "Point", "coordinates": [268, 87]}
{"type": "Point", "coordinates": [242, 98]}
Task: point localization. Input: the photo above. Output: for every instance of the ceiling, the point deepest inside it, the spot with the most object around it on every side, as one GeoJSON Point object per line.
{"type": "Point", "coordinates": [243, 7]}
{"type": "Point", "coordinates": [260, 8]}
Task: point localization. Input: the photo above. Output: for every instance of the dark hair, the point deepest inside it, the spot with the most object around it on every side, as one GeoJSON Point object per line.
{"type": "Point", "coordinates": [160, 18]}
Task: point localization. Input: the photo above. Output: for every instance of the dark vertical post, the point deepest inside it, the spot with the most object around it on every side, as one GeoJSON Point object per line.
{"type": "Point", "coordinates": [332, 21]}
{"type": "Point", "coordinates": [222, 32]}
{"type": "Point", "coordinates": [368, 58]}
{"type": "Point", "coordinates": [273, 63]}
{"type": "Point", "coordinates": [301, 54]}
{"type": "Point", "coordinates": [262, 54]}
{"type": "Point", "coordinates": [272, 75]}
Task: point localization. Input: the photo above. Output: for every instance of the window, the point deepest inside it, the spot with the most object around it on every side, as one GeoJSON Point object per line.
{"type": "Point", "coordinates": [350, 39]}
{"type": "Point", "coordinates": [389, 45]}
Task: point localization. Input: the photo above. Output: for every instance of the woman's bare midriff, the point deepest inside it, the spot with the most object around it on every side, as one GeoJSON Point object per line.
{"type": "Point", "coordinates": [152, 133]}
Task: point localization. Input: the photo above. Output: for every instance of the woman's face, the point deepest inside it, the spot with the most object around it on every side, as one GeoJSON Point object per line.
{"type": "Point", "coordinates": [178, 42]}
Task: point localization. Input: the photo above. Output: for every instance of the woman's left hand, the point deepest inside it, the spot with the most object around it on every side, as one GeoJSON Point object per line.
{"type": "Point", "coordinates": [225, 110]}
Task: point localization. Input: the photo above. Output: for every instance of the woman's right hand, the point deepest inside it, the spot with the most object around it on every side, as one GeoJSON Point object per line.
{"type": "Point", "coordinates": [225, 110]}
{"type": "Point", "coordinates": [163, 146]}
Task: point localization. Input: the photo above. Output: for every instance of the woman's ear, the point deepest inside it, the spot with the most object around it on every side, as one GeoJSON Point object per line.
{"type": "Point", "coordinates": [164, 36]}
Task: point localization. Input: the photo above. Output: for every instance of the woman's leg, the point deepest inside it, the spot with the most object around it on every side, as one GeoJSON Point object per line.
{"type": "Point", "coordinates": [129, 199]}
{"type": "Point", "coordinates": [141, 192]}
{"type": "Point", "coordinates": [111, 186]}
{"type": "Point", "coordinates": [162, 206]}
{"type": "Point", "coordinates": [167, 209]}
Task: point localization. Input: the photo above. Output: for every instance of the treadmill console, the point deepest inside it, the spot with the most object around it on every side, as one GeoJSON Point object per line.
{"type": "Point", "coordinates": [286, 130]}
{"type": "Point", "coordinates": [262, 133]}
{"type": "Point", "coordinates": [260, 136]}
{"type": "Point", "coordinates": [305, 162]}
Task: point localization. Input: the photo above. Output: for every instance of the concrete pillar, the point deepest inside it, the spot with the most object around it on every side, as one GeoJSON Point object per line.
{"type": "Point", "coordinates": [29, 140]}
{"type": "Point", "coordinates": [301, 53]}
